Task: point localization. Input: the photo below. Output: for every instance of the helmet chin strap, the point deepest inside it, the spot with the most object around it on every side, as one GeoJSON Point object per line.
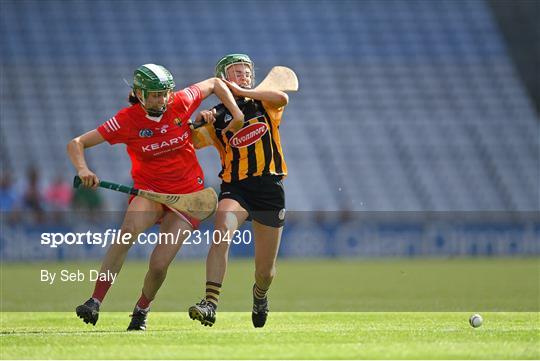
{"type": "Point", "coordinates": [246, 87]}
{"type": "Point", "coordinates": [154, 113]}
{"type": "Point", "coordinates": [151, 112]}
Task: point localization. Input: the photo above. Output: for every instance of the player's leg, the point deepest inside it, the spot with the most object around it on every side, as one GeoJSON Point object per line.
{"type": "Point", "coordinates": [229, 217]}
{"type": "Point", "coordinates": [164, 253]}
{"type": "Point", "coordinates": [267, 240]}
{"type": "Point", "coordinates": [161, 258]}
{"type": "Point", "coordinates": [140, 215]}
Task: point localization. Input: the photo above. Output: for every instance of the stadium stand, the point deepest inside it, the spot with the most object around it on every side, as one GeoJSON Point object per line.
{"type": "Point", "coordinates": [403, 105]}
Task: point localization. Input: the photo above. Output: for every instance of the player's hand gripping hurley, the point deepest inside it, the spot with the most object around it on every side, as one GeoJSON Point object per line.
{"type": "Point", "coordinates": [199, 205]}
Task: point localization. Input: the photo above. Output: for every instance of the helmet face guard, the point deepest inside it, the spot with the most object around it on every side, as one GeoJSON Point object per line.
{"type": "Point", "coordinates": [152, 78]}
{"type": "Point", "coordinates": [228, 60]}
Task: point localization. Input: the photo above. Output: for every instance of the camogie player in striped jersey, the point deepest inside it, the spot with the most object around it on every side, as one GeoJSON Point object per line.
{"type": "Point", "coordinates": [252, 171]}
{"type": "Point", "coordinates": [158, 140]}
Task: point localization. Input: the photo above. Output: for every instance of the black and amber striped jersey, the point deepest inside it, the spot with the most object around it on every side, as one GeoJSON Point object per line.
{"type": "Point", "coordinates": [254, 150]}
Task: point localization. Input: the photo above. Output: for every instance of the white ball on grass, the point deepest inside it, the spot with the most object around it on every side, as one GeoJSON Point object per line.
{"type": "Point", "coordinates": [476, 320]}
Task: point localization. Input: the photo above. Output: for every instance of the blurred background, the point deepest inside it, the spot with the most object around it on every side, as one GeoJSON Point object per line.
{"type": "Point", "coordinates": [415, 131]}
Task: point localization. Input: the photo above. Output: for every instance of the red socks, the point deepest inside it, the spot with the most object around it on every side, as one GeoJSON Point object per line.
{"type": "Point", "coordinates": [100, 290]}
{"type": "Point", "coordinates": [143, 303]}
{"type": "Point", "coordinates": [102, 287]}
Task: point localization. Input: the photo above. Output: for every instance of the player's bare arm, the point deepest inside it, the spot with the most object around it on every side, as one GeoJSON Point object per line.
{"type": "Point", "coordinates": [218, 87]}
{"type": "Point", "coordinates": [75, 150]}
{"type": "Point", "coordinates": [275, 98]}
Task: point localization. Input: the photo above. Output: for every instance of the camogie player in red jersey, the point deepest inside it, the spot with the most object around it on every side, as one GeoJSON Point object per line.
{"type": "Point", "coordinates": [156, 132]}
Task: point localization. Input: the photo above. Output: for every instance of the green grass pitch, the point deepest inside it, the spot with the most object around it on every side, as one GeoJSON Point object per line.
{"type": "Point", "coordinates": [438, 295]}
{"type": "Point", "coordinates": [293, 335]}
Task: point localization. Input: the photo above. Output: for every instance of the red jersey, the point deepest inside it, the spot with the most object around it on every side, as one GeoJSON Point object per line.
{"type": "Point", "coordinates": [162, 154]}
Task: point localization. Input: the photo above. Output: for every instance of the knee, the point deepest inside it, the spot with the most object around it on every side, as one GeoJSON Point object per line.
{"type": "Point", "coordinates": [221, 238]}
{"type": "Point", "coordinates": [158, 269]}
{"type": "Point", "coordinates": [265, 274]}
{"type": "Point", "coordinates": [128, 228]}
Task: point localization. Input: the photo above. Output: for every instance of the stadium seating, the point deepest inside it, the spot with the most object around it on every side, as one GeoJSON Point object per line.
{"type": "Point", "coordinates": [403, 105]}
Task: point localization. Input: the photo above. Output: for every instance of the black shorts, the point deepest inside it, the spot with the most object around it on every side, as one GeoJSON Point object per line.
{"type": "Point", "coordinates": [263, 197]}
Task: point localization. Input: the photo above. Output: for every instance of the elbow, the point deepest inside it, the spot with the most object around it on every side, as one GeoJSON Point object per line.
{"type": "Point", "coordinates": [282, 99]}
{"type": "Point", "coordinates": [217, 83]}
{"type": "Point", "coordinates": [70, 145]}
{"type": "Point", "coordinates": [73, 144]}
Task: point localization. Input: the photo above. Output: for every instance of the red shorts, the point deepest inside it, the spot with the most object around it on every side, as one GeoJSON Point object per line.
{"type": "Point", "coordinates": [195, 223]}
